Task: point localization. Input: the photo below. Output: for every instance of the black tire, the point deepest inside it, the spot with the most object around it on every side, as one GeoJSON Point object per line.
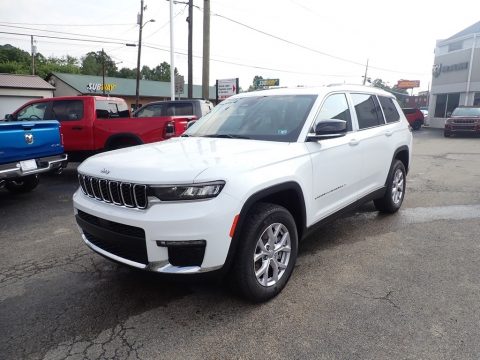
{"type": "Point", "coordinates": [395, 192]}
{"type": "Point", "coordinates": [122, 143]}
{"type": "Point", "coordinates": [417, 125]}
{"type": "Point", "coordinates": [446, 134]}
{"type": "Point", "coordinates": [23, 184]}
{"type": "Point", "coordinates": [264, 216]}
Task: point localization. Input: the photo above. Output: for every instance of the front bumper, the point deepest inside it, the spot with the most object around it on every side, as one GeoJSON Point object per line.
{"type": "Point", "coordinates": [44, 164]}
{"type": "Point", "coordinates": [174, 238]}
{"type": "Point", "coordinates": [462, 128]}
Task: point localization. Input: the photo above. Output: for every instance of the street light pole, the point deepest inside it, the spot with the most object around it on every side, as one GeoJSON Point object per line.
{"type": "Point", "coordinates": [206, 49]}
{"type": "Point", "coordinates": [140, 22]}
{"type": "Point", "coordinates": [103, 72]}
{"type": "Point", "coordinates": [172, 56]}
{"type": "Point", "coordinates": [190, 49]}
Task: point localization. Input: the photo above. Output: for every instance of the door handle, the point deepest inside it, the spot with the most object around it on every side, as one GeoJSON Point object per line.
{"type": "Point", "coordinates": [353, 142]}
{"type": "Point", "coordinates": [388, 133]}
{"type": "Point", "coordinates": [77, 127]}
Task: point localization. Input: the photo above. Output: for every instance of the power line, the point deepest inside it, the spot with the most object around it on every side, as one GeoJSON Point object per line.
{"type": "Point", "coordinates": [251, 66]}
{"type": "Point", "coordinates": [86, 25]}
{"type": "Point", "coordinates": [307, 47]}
{"type": "Point", "coordinates": [61, 32]}
{"type": "Point", "coordinates": [63, 38]}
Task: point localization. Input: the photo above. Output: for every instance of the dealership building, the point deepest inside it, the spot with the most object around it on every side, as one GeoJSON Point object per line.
{"type": "Point", "coordinates": [455, 74]}
{"type": "Point", "coordinates": [76, 84]}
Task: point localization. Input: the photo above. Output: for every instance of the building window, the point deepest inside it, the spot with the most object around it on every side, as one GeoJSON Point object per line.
{"type": "Point", "coordinates": [476, 99]}
{"type": "Point", "coordinates": [455, 46]}
{"type": "Point", "coordinates": [445, 104]}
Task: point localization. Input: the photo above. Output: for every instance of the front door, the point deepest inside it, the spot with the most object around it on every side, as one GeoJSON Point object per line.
{"type": "Point", "coordinates": [336, 162]}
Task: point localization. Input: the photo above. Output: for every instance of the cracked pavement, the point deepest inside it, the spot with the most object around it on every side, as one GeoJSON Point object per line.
{"type": "Point", "coordinates": [367, 286]}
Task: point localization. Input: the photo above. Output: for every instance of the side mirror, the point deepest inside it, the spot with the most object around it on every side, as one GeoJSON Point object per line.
{"type": "Point", "coordinates": [9, 117]}
{"type": "Point", "coordinates": [190, 123]}
{"type": "Point", "coordinates": [328, 129]}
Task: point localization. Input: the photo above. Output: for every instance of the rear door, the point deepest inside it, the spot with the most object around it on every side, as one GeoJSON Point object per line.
{"type": "Point", "coordinates": [374, 137]}
{"type": "Point", "coordinates": [76, 130]}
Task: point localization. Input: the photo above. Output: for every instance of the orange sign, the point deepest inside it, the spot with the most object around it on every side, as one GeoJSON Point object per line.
{"type": "Point", "coordinates": [408, 84]}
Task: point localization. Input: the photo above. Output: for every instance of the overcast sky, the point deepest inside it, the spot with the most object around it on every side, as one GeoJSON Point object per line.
{"type": "Point", "coordinates": [398, 37]}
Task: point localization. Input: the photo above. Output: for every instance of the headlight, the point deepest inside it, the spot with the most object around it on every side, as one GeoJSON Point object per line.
{"type": "Point", "coordinates": [187, 192]}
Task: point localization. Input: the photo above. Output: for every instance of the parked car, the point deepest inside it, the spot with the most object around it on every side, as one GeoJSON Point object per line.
{"type": "Point", "coordinates": [27, 149]}
{"type": "Point", "coordinates": [415, 117]}
{"type": "Point", "coordinates": [92, 124]}
{"type": "Point", "coordinates": [464, 120]}
{"type": "Point", "coordinates": [180, 113]}
{"type": "Point", "coordinates": [238, 190]}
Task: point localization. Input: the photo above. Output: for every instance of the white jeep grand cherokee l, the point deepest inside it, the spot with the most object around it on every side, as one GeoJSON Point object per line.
{"type": "Point", "coordinates": [245, 183]}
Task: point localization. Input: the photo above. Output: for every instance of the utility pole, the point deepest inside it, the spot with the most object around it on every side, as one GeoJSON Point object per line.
{"type": "Point", "coordinates": [103, 72]}
{"type": "Point", "coordinates": [365, 77]}
{"type": "Point", "coordinates": [172, 55]}
{"type": "Point", "coordinates": [206, 49]}
{"type": "Point", "coordinates": [190, 49]}
{"type": "Point", "coordinates": [33, 54]}
{"type": "Point", "coordinates": [140, 26]}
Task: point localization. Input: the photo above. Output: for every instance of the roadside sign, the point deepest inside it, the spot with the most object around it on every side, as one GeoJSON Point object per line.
{"type": "Point", "coordinates": [226, 88]}
{"type": "Point", "coordinates": [179, 84]}
{"type": "Point", "coordinates": [408, 84]}
{"type": "Point", "coordinates": [268, 82]}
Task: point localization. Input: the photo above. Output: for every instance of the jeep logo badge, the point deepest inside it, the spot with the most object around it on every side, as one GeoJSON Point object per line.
{"type": "Point", "coordinates": [29, 138]}
{"type": "Point", "coordinates": [436, 70]}
{"type": "Point", "coordinates": [105, 171]}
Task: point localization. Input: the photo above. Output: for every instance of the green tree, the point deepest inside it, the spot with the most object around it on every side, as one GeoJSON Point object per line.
{"type": "Point", "coordinates": [127, 73]}
{"type": "Point", "coordinates": [92, 64]}
{"type": "Point", "coordinates": [254, 85]}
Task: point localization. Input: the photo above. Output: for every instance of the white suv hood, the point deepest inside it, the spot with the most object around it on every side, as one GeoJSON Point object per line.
{"type": "Point", "coordinates": [181, 160]}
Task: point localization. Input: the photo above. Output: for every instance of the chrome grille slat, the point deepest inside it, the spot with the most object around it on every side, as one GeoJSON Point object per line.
{"type": "Point", "coordinates": [114, 192]}
{"type": "Point", "coordinates": [103, 184]}
{"type": "Point", "coordinates": [88, 185]}
{"type": "Point", "coordinates": [140, 195]}
{"type": "Point", "coordinates": [95, 188]}
{"type": "Point", "coordinates": [126, 193]}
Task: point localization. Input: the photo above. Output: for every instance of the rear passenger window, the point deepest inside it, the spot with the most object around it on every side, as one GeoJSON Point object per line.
{"type": "Point", "coordinates": [389, 109]}
{"type": "Point", "coordinates": [67, 110]}
{"type": "Point", "coordinates": [336, 107]}
{"type": "Point", "coordinates": [179, 109]}
{"type": "Point", "coordinates": [368, 111]}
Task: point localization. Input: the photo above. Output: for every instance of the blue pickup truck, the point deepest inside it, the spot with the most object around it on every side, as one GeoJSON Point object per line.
{"type": "Point", "coordinates": [28, 148]}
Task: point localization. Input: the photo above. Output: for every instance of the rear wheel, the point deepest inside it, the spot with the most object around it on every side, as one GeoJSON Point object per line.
{"type": "Point", "coordinates": [122, 143]}
{"type": "Point", "coordinates": [267, 252]}
{"type": "Point", "coordinates": [417, 125]}
{"type": "Point", "coordinates": [446, 134]}
{"type": "Point", "coordinates": [395, 193]}
{"type": "Point", "coordinates": [23, 184]}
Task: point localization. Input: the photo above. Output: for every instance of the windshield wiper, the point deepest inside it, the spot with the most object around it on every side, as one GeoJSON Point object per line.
{"type": "Point", "coordinates": [184, 135]}
{"type": "Point", "coordinates": [227, 136]}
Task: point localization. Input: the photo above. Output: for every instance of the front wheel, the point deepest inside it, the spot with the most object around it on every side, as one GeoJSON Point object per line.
{"type": "Point", "coordinates": [267, 252]}
{"type": "Point", "coordinates": [23, 184]}
{"type": "Point", "coordinates": [395, 193]}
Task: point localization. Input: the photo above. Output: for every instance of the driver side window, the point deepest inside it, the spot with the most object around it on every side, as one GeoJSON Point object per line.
{"type": "Point", "coordinates": [336, 107]}
{"type": "Point", "coordinates": [32, 112]}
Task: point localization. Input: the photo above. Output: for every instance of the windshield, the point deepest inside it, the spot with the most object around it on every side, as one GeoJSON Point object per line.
{"type": "Point", "coordinates": [273, 118]}
{"type": "Point", "coordinates": [466, 111]}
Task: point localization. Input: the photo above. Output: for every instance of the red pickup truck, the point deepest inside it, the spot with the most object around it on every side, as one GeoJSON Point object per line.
{"type": "Point", "coordinates": [92, 124]}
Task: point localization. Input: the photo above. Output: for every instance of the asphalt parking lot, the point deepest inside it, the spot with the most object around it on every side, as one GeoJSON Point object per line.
{"type": "Point", "coordinates": [367, 286]}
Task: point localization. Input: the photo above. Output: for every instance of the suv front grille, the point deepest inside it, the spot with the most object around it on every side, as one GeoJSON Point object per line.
{"type": "Point", "coordinates": [118, 193]}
